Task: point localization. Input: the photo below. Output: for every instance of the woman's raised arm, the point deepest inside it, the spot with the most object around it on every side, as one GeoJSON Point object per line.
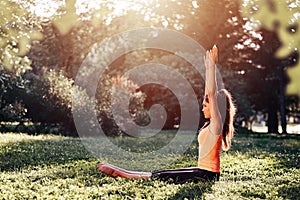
{"type": "Point", "coordinates": [211, 89]}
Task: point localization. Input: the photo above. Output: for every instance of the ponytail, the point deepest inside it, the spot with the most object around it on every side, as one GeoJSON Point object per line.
{"type": "Point", "coordinates": [228, 128]}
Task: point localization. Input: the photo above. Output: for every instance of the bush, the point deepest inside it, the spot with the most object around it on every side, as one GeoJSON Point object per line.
{"type": "Point", "coordinates": [46, 101]}
{"type": "Point", "coordinates": [113, 124]}
{"type": "Point", "coordinates": [11, 109]}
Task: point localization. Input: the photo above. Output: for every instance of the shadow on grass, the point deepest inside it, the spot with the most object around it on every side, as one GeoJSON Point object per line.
{"type": "Point", "coordinates": [283, 148]}
{"type": "Point", "coordinates": [289, 192]}
{"type": "Point", "coordinates": [24, 154]}
{"type": "Point", "coordinates": [281, 163]}
{"type": "Point", "coordinates": [83, 171]}
{"type": "Point", "coordinates": [193, 191]}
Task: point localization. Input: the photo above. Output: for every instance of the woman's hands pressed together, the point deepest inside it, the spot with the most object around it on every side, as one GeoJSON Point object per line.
{"type": "Point", "coordinates": [211, 57]}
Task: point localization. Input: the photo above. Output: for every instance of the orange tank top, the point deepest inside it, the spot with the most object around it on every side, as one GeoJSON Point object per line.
{"type": "Point", "coordinates": [209, 150]}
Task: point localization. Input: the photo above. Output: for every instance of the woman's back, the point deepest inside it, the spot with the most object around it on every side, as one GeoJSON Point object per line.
{"type": "Point", "coordinates": [210, 145]}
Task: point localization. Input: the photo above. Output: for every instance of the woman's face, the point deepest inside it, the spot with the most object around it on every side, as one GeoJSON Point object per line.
{"type": "Point", "coordinates": [205, 109]}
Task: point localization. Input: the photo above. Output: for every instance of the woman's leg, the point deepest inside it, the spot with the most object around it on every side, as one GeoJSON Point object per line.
{"type": "Point", "coordinates": [183, 175]}
{"type": "Point", "coordinates": [179, 175]}
{"type": "Point", "coordinates": [114, 171]}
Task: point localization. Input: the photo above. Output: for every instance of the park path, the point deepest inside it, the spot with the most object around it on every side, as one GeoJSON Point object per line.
{"type": "Point", "coordinates": [291, 128]}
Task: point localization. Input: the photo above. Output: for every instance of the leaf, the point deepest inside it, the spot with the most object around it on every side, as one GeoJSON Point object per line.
{"type": "Point", "coordinates": [23, 45]}
{"type": "Point", "coordinates": [69, 20]}
{"type": "Point", "coordinates": [279, 16]}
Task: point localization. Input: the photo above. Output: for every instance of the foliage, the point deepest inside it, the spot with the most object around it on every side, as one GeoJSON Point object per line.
{"type": "Point", "coordinates": [283, 18]}
{"type": "Point", "coordinates": [45, 99]}
{"type": "Point", "coordinates": [161, 94]}
{"type": "Point", "coordinates": [121, 88]}
{"type": "Point", "coordinates": [53, 167]}
{"type": "Point", "coordinates": [18, 28]}
{"type": "Point", "coordinates": [63, 52]}
{"type": "Point", "coordinates": [49, 98]}
{"type": "Point", "coordinates": [11, 109]}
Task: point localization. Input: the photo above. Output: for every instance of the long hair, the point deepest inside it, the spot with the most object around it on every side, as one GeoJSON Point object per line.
{"type": "Point", "coordinates": [227, 110]}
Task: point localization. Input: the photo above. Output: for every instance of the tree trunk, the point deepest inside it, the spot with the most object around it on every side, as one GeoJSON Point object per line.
{"type": "Point", "coordinates": [282, 102]}
{"type": "Point", "coordinates": [272, 115]}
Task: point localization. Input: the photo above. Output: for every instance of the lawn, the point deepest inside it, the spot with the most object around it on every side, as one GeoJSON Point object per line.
{"type": "Point", "coordinates": [258, 166]}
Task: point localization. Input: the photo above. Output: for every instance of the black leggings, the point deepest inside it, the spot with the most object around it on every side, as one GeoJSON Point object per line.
{"type": "Point", "coordinates": [183, 175]}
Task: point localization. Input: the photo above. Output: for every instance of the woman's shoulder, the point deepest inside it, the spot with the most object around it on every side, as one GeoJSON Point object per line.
{"type": "Point", "coordinates": [204, 129]}
{"type": "Point", "coordinates": [205, 125]}
{"type": "Point", "coordinates": [207, 131]}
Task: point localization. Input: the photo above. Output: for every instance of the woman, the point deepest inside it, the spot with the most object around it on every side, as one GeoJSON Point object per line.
{"type": "Point", "coordinates": [218, 107]}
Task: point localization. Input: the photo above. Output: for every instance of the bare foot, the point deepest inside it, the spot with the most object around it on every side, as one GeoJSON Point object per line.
{"type": "Point", "coordinates": [104, 168]}
{"type": "Point", "coordinates": [114, 171]}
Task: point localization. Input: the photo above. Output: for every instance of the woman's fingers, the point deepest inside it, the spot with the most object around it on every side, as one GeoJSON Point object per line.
{"type": "Point", "coordinates": [211, 56]}
{"type": "Point", "coordinates": [215, 53]}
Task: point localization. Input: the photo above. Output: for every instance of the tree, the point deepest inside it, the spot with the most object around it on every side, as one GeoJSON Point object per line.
{"type": "Point", "coordinates": [62, 47]}
{"type": "Point", "coordinates": [268, 81]}
{"type": "Point", "coordinates": [281, 17]}
{"type": "Point", "coordinates": [18, 28]}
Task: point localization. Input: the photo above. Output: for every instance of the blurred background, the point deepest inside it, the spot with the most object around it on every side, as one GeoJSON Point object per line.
{"type": "Point", "coordinates": [43, 43]}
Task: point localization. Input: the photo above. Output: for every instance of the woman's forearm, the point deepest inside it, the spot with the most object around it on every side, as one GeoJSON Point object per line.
{"type": "Point", "coordinates": [206, 79]}
{"type": "Point", "coordinates": [212, 83]}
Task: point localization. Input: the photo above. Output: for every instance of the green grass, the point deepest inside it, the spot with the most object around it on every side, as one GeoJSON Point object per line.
{"type": "Point", "coordinates": [258, 166]}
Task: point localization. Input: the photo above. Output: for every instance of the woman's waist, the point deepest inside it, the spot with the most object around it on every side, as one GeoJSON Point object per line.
{"type": "Point", "coordinates": [209, 164]}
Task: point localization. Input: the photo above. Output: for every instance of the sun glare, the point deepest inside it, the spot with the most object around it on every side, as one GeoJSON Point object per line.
{"type": "Point", "coordinates": [103, 10]}
{"type": "Point", "coordinates": [122, 7]}
{"type": "Point", "coordinates": [117, 8]}
{"type": "Point", "coordinates": [43, 8]}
